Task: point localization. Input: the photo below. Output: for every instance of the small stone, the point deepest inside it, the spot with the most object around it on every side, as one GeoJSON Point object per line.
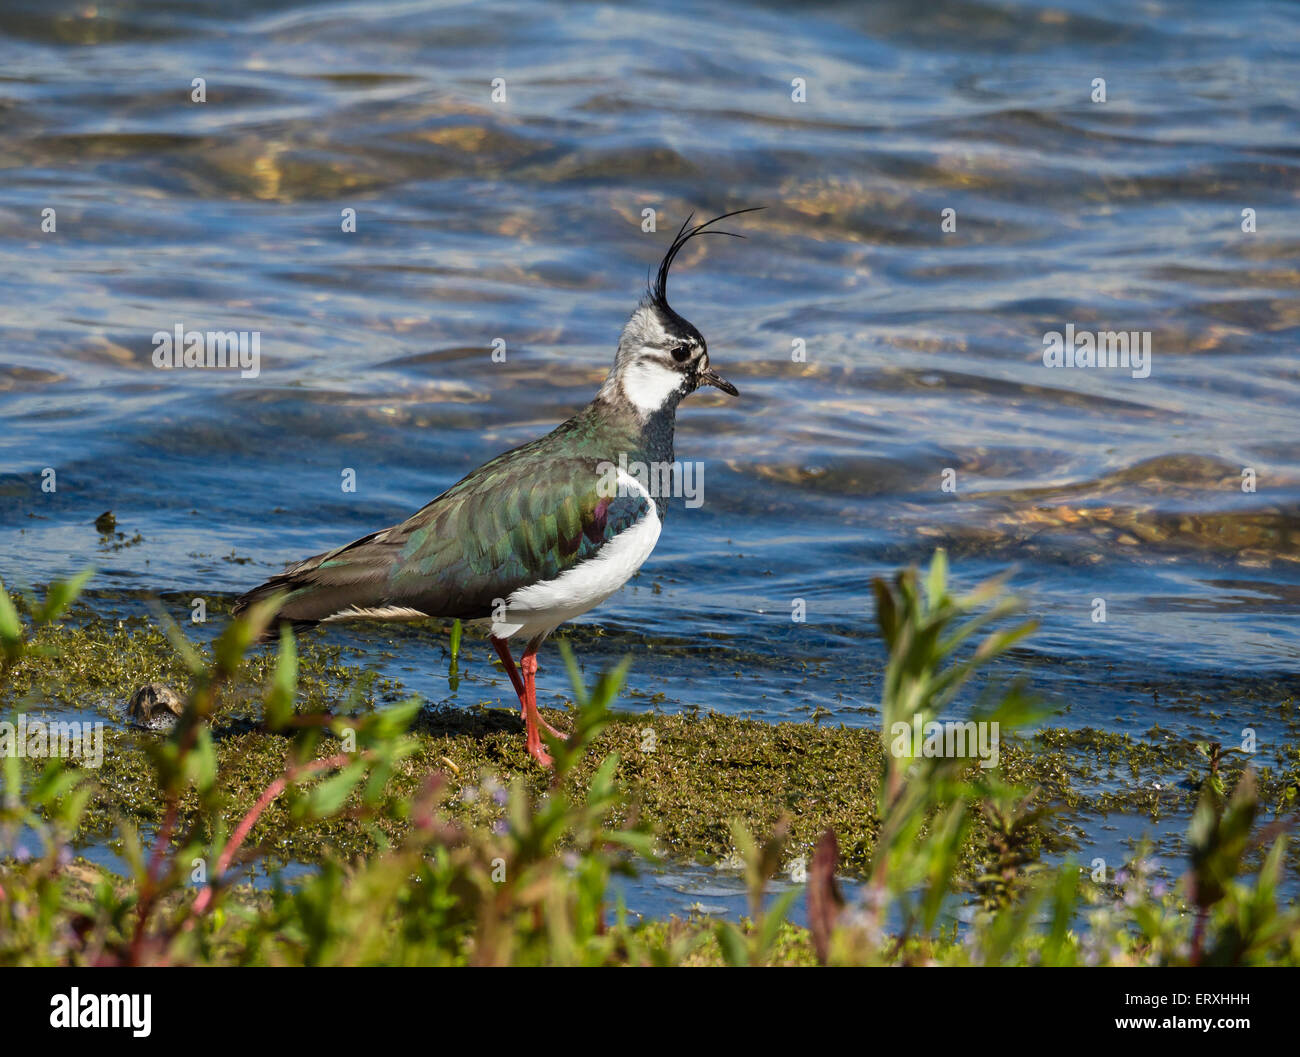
{"type": "Point", "coordinates": [155, 706]}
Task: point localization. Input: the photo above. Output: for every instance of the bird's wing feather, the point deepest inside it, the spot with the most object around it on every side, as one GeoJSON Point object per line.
{"type": "Point", "coordinates": [524, 516]}
{"type": "Point", "coordinates": [515, 524]}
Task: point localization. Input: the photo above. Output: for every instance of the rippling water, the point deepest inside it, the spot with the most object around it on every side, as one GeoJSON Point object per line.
{"type": "Point", "coordinates": [521, 220]}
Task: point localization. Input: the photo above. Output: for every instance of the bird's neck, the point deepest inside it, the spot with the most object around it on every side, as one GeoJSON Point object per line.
{"type": "Point", "coordinates": [645, 435]}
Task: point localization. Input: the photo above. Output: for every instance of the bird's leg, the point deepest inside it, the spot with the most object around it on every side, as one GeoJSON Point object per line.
{"type": "Point", "coordinates": [535, 748]}
{"type": "Point", "coordinates": [529, 664]}
{"type": "Point", "coordinates": [508, 662]}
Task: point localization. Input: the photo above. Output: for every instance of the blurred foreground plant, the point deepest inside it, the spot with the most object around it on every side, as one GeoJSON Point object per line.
{"type": "Point", "coordinates": [1028, 914]}
{"type": "Point", "coordinates": [532, 889]}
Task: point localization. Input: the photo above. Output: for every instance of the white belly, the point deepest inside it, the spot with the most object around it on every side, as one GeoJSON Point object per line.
{"type": "Point", "coordinates": [540, 607]}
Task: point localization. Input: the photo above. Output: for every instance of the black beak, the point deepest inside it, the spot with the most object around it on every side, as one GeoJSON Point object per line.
{"type": "Point", "coordinates": [711, 377]}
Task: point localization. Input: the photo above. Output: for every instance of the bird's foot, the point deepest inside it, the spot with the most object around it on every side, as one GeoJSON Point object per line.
{"type": "Point", "coordinates": [559, 735]}
{"type": "Point", "coordinates": [532, 720]}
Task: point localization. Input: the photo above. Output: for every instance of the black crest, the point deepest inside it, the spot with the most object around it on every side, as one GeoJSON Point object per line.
{"type": "Point", "coordinates": [659, 289]}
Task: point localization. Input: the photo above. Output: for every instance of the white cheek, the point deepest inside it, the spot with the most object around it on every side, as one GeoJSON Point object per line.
{"type": "Point", "coordinates": [648, 385]}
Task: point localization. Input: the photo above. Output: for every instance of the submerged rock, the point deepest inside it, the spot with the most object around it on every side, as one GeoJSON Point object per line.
{"type": "Point", "coordinates": [155, 706]}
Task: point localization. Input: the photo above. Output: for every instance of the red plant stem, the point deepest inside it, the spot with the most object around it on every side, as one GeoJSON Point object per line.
{"type": "Point", "coordinates": [162, 840]}
{"type": "Point", "coordinates": [148, 891]}
{"type": "Point", "coordinates": [246, 824]}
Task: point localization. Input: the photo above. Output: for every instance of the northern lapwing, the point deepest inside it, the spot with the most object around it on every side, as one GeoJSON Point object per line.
{"type": "Point", "coordinates": [537, 535]}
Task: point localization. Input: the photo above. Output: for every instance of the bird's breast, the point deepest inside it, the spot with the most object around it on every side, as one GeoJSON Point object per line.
{"type": "Point", "coordinates": [546, 604]}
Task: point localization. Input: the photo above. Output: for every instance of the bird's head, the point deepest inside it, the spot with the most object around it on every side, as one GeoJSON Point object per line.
{"type": "Point", "coordinates": [661, 356]}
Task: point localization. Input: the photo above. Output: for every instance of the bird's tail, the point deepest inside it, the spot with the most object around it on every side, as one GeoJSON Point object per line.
{"type": "Point", "coordinates": [285, 586]}
{"type": "Point", "coordinates": [351, 579]}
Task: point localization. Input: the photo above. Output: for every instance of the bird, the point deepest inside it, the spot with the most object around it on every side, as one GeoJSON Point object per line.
{"type": "Point", "coordinates": [540, 534]}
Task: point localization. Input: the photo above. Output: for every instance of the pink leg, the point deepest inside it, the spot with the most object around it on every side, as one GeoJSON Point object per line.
{"type": "Point", "coordinates": [508, 662]}
{"type": "Point", "coordinates": [534, 738]}
{"type": "Point", "coordinates": [529, 664]}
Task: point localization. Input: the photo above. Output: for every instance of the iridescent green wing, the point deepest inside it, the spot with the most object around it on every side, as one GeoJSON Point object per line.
{"type": "Point", "coordinates": [518, 520]}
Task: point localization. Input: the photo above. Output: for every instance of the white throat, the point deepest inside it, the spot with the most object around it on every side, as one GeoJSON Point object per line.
{"type": "Point", "coordinates": [649, 386]}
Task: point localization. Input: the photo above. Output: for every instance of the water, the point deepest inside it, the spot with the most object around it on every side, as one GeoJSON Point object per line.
{"type": "Point", "coordinates": [520, 220]}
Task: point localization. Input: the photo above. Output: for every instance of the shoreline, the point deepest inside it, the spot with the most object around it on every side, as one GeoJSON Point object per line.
{"type": "Point", "coordinates": [689, 774]}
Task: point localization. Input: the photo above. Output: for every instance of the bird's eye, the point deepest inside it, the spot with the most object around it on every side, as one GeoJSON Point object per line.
{"type": "Point", "coordinates": [681, 354]}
